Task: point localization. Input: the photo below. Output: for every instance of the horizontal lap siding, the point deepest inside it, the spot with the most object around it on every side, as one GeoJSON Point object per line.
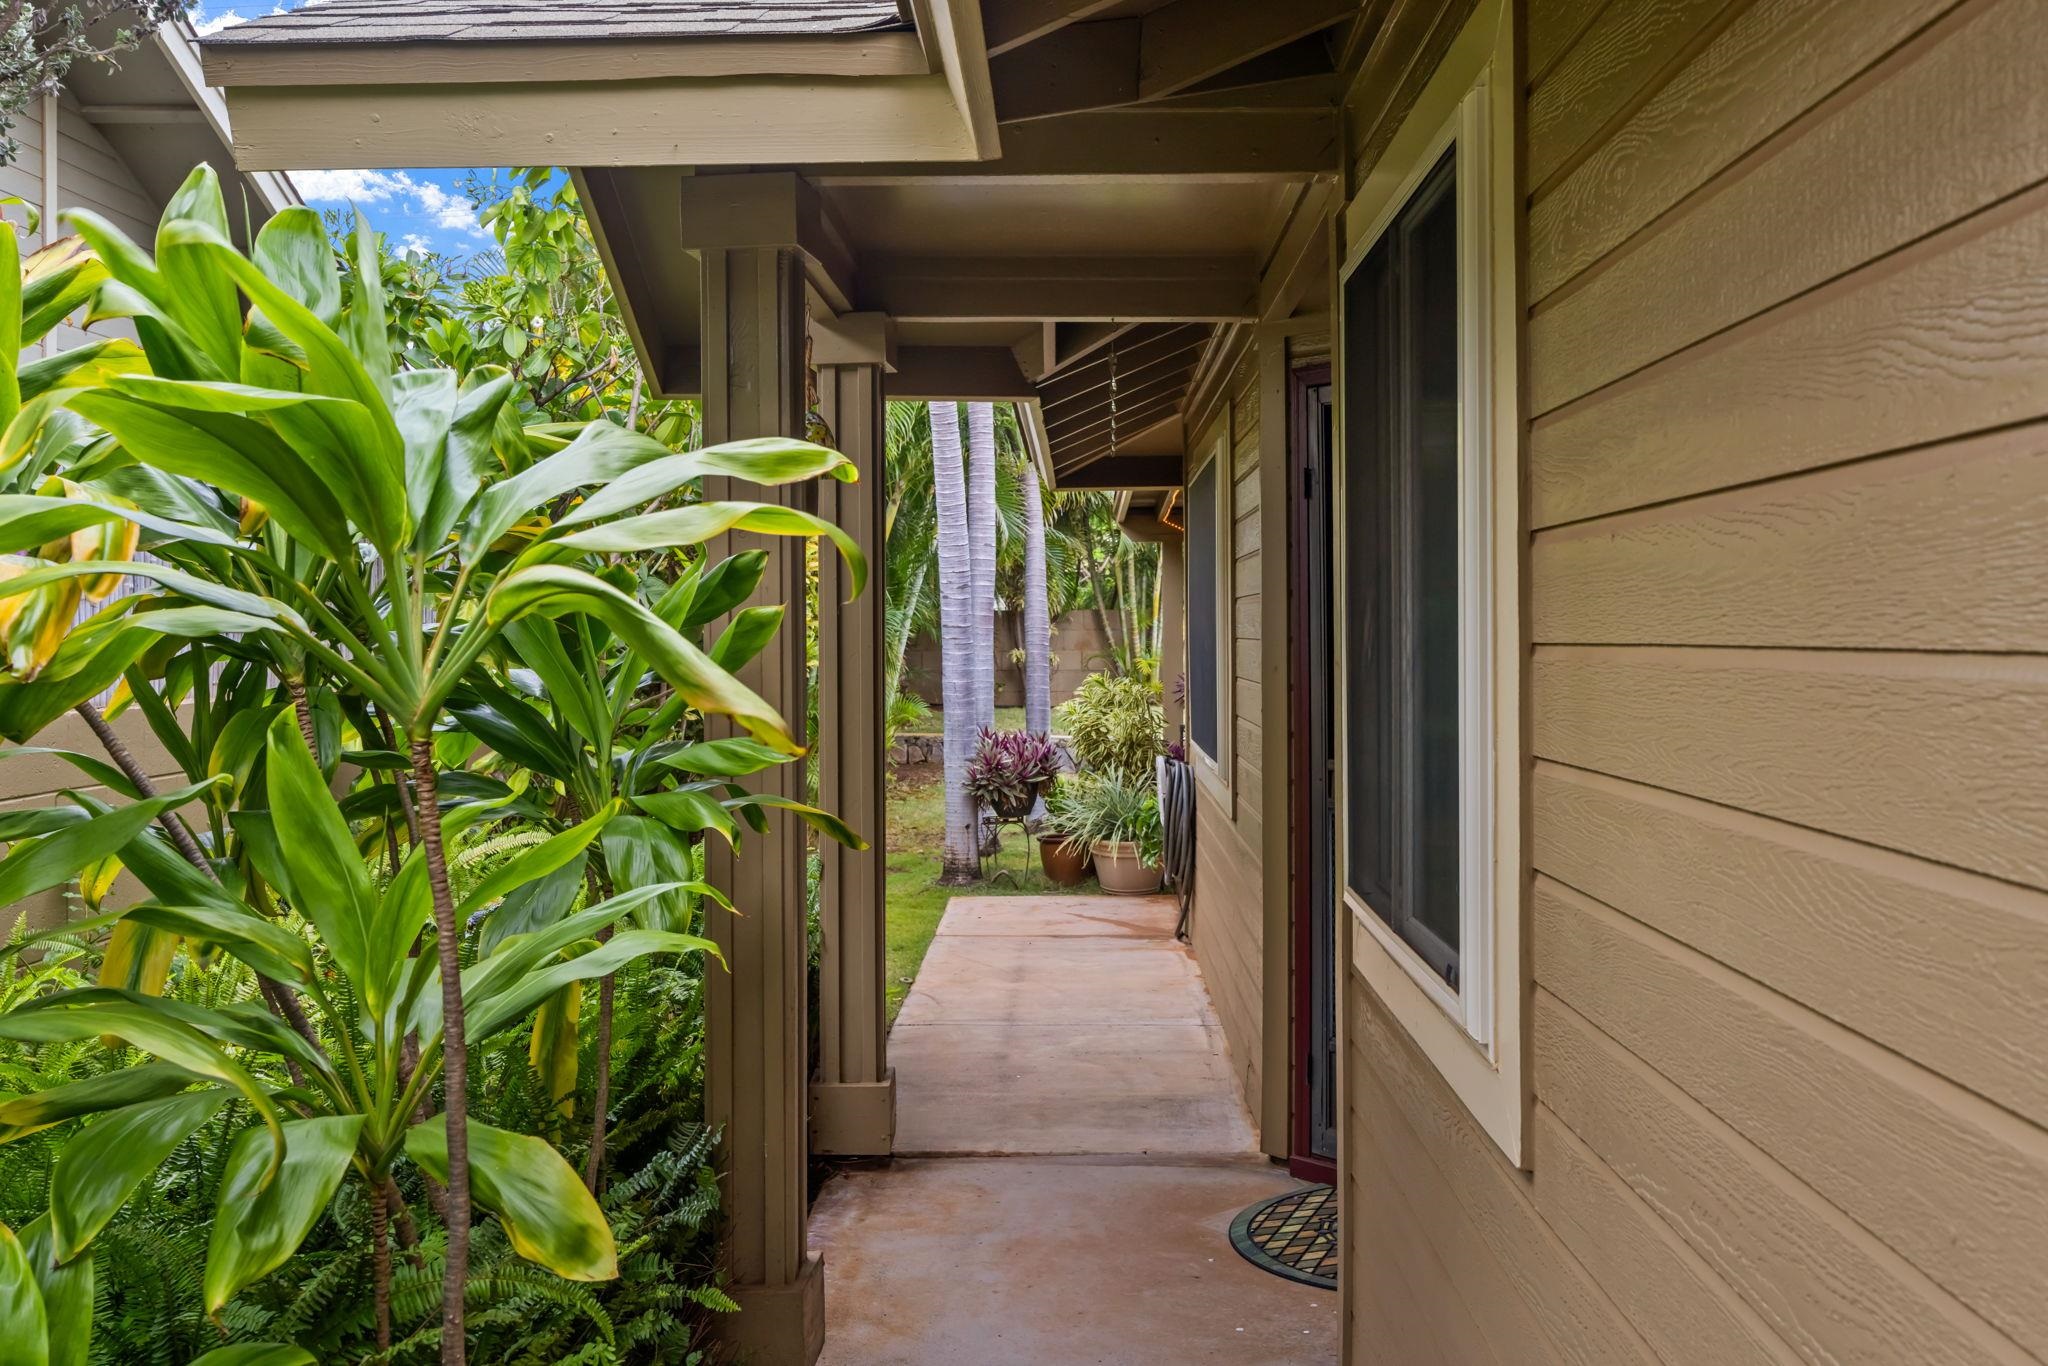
{"type": "Point", "coordinates": [1788, 365]}
{"type": "Point", "coordinates": [1788, 596]}
{"type": "Point", "coordinates": [1229, 924]}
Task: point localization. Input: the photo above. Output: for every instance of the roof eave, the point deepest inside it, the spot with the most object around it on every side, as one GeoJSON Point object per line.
{"type": "Point", "coordinates": [885, 96]}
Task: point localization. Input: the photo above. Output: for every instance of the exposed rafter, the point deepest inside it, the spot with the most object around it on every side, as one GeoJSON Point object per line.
{"type": "Point", "coordinates": [1012, 23]}
{"type": "Point", "coordinates": [1183, 45]}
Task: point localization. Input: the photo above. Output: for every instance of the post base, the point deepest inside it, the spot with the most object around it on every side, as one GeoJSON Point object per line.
{"type": "Point", "coordinates": [854, 1118]}
{"type": "Point", "coordinates": [778, 1325]}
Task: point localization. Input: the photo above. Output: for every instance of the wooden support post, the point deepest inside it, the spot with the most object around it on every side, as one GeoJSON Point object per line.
{"type": "Point", "coordinates": [853, 1093]}
{"type": "Point", "coordinates": [756, 1008]}
{"type": "Point", "coordinates": [1173, 664]}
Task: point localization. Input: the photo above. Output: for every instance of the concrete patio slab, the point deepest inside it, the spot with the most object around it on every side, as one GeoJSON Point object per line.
{"type": "Point", "coordinates": [1138, 917]}
{"type": "Point", "coordinates": [1159, 1087]}
{"type": "Point", "coordinates": [1082, 1149]}
{"type": "Point", "coordinates": [1018, 1262]}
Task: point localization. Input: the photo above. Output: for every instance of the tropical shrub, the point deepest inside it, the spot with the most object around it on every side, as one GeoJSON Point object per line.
{"type": "Point", "coordinates": [345, 559]}
{"type": "Point", "coordinates": [1102, 808]}
{"type": "Point", "coordinates": [1010, 768]}
{"type": "Point", "coordinates": [1115, 725]}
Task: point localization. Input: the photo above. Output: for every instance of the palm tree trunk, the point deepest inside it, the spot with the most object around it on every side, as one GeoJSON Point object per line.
{"type": "Point", "coordinates": [1036, 631]}
{"type": "Point", "coordinates": [454, 1053]}
{"type": "Point", "coordinates": [981, 522]}
{"type": "Point", "coordinates": [962, 857]}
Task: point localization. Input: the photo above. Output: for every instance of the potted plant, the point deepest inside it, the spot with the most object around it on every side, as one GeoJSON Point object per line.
{"type": "Point", "coordinates": [1116, 820]}
{"type": "Point", "coordinates": [1066, 863]}
{"type": "Point", "coordinates": [1115, 725]}
{"type": "Point", "coordinates": [1009, 771]}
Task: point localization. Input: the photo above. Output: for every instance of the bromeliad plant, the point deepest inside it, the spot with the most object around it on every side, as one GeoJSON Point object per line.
{"type": "Point", "coordinates": [1011, 769]}
{"type": "Point", "coordinates": [371, 538]}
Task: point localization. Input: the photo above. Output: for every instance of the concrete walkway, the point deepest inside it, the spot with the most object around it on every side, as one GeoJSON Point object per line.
{"type": "Point", "coordinates": [1071, 1150]}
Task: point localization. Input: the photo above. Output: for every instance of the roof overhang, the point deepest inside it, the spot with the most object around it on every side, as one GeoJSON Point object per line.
{"type": "Point", "coordinates": [1074, 225]}
{"type": "Point", "coordinates": [154, 106]}
{"type": "Point", "coordinates": [601, 101]}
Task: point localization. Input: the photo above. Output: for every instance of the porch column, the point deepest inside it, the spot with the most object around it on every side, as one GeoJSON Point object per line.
{"type": "Point", "coordinates": [1173, 663]}
{"type": "Point", "coordinates": [756, 1011]}
{"type": "Point", "coordinates": [853, 1092]}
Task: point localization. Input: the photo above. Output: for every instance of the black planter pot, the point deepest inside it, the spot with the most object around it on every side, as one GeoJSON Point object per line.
{"type": "Point", "coordinates": [1016, 809]}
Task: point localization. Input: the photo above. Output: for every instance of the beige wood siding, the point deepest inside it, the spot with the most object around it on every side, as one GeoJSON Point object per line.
{"type": "Point", "coordinates": [1229, 908]}
{"type": "Point", "coordinates": [1787, 357]}
{"type": "Point", "coordinates": [90, 175]}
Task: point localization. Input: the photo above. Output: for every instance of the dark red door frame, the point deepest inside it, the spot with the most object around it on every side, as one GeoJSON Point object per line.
{"type": "Point", "coordinates": [1304, 1162]}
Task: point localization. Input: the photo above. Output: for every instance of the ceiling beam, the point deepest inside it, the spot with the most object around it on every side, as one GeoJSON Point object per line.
{"type": "Point", "coordinates": [1134, 144]}
{"type": "Point", "coordinates": [1124, 472]}
{"type": "Point", "coordinates": [967, 374]}
{"type": "Point", "coordinates": [1012, 23]}
{"type": "Point", "coordinates": [1024, 288]}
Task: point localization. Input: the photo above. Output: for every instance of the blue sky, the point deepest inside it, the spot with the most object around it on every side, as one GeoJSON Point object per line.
{"type": "Point", "coordinates": [421, 210]}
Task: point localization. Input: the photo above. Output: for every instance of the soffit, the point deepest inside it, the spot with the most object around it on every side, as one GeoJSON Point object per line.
{"type": "Point", "coordinates": [460, 21]}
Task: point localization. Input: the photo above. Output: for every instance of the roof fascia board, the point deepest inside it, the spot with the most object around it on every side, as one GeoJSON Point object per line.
{"type": "Point", "coordinates": [178, 44]}
{"type": "Point", "coordinates": [955, 34]}
{"type": "Point", "coordinates": [484, 63]}
{"type": "Point", "coordinates": [717, 122]}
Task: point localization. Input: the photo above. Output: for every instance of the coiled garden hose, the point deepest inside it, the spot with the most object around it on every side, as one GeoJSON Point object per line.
{"type": "Point", "coordinates": [1177, 832]}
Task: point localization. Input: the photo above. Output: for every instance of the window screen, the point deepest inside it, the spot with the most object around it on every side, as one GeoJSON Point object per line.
{"type": "Point", "coordinates": [1202, 549]}
{"type": "Point", "coordinates": [1401, 690]}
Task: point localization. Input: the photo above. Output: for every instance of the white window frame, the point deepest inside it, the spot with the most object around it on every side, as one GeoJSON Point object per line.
{"type": "Point", "coordinates": [1473, 1035]}
{"type": "Point", "coordinates": [1216, 768]}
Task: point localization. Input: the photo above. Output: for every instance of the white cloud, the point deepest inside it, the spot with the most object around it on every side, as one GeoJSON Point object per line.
{"type": "Point", "coordinates": [412, 244]}
{"type": "Point", "coordinates": [449, 212]}
{"type": "Point", "coordinates": [229, 18]}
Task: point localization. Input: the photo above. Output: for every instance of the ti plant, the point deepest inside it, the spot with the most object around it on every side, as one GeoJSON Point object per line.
{"type": "Point", "coordinates": [1011, 768]}
{"type": "Point", "coordinates": [363, 540]}
{"type": "Point", "coordinates": [572, 708]}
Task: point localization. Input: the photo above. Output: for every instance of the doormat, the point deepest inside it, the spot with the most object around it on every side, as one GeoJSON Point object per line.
{"type": "Point", "coordinates": [1293, 1235]}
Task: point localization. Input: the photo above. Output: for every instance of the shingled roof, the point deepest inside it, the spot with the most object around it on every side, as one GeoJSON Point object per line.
{"type": "Point", "coordinates": [468, 21]}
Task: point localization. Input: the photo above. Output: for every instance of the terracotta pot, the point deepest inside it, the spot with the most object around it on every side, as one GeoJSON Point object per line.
{"type": "Point", "coordinates": [1121, 871]}
{"type": "Point", "coordinates": [1067, 867]}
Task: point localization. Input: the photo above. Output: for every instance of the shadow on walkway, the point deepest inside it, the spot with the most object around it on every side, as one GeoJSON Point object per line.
{"type": "Point", "coordinates": [1071, 1149]}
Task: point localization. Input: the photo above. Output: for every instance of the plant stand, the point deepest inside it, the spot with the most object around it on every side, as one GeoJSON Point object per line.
{"type": "Point", "coordinates": [992, 826]}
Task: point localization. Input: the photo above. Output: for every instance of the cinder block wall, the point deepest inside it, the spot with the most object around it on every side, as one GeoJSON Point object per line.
{"type": "Point", "coordinates": [1078, 646]}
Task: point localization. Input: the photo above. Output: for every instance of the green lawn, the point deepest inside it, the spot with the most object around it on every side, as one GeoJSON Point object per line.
{"type": "Point", "coordinates": [917, 822]}
{"type": "Point", "coordinates": [1007, 718]}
